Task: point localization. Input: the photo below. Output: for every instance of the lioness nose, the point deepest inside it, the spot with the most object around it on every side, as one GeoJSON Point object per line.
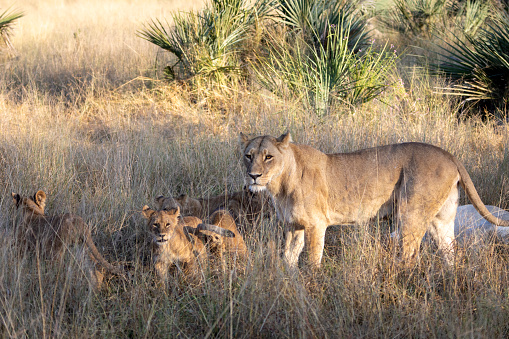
{"type": "Point", "coordinates": [254, 175]}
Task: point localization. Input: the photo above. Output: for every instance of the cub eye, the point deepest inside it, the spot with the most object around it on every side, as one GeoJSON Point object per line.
{"type": "Point", "coordinates": [155, 225]}
{"type": "Point", "coordinates": [268, 157]}
{"type": "Point", "coordinates": [248, 156]}
{"type": "Point", "coordinates": [168, 224]}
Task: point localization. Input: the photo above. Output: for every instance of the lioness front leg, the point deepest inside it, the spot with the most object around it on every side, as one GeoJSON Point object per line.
{"type": "Point", "coordinates": [315, 239]}
{"type": "Point", "coordinates": [294, 244]}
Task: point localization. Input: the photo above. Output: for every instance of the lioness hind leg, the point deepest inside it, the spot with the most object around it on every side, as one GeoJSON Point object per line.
{"type": "Point", "coordinates": [412, 226]}
{"type": "Point", "coordinates": [442, 226]}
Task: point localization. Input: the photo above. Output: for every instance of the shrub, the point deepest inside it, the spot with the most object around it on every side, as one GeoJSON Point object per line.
{"type": "Point", "coordinates": [334, 70]}
{"type": "Point", "coordinates": [207, 44]}
{"type": "Point", "coordinates": [7, 20]}
{"type": "Point", "coordinates": [478, 65]}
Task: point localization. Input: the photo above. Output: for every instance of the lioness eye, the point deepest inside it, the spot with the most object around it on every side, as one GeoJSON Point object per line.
{"type": "Point", "coordinates": [248, 156]}
{"type": "Point", "coordinates": [268, 157]}
{"type": "Point", "coordinates": [168, 224]}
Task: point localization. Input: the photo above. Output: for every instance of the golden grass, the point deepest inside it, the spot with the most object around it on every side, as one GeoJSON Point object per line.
{"type": "Point", "coordinates": [75, 124]}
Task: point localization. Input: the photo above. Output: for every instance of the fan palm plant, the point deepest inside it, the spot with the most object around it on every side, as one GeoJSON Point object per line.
{"type": "Point", "coordinates": [335, 70]}
{"type": "Point", "coordinates": [313, 18]}
{"type": "Point", "coordinates": [207, 44]}
{"type": "Point", "coordinates": [7, 20]}
{"type": "Point", "coordinates": [479, 65]}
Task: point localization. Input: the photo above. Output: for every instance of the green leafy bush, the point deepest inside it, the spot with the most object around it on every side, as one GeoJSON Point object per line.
{"type": "Point", "coordinates": [7, 20]}
{"type": "Point", "coordinates": [207, 44]}
{"type": "Point", "coordinates": [335, 70]}
{"type": "Point", "coordinates": [479, 65]}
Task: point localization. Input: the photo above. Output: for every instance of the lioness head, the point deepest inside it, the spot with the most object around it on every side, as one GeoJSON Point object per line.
{"type": "Point", "coordinates": [264, 158]}
{"type": "Point", "coordinates": [162, 223]}
{"type": "Point", "coordinates": [34, 204]}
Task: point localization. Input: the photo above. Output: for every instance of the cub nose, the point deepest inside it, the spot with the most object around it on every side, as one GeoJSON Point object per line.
{"type": "Point", "coordinates": [254, 175]}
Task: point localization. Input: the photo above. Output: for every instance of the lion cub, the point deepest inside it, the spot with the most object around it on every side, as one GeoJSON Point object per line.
{"type": "Point", "coordinates": [242, 204]}
{"type": "Point", "coordinates": [51, 235]}
{"type": "Point", "coordinates": [233, 247]}
{"type": "Point", "coordinates": [177, 240]}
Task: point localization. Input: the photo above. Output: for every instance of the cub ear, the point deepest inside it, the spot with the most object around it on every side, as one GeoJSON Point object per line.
{"type": "Point", "coordinates": [172, 211]}
{"type": "Point", "coordinates": [17, 199]}
{"type": "Point", "coordinates": [176, 211]}
{"type": "Point", "coordinates": [244, 140]}
{"type": "Point", "coordinates": [147, 212]}
{"type": "Point", "coordinates": [159, 201]}
{"type": "Point", "coordinates": [284, 140]}
{"type": "Point", "coordinates": [40, 198]}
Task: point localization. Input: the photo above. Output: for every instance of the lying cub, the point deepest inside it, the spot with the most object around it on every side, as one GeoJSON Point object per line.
{"type": "Point", "coordinates": [52, 235]}
{"type": "Point", "coordinates": [241, 204]}
{"type": "Point", "coordinates": [233, 247]}
{"type": "Point", "coordinates": [177, 241]}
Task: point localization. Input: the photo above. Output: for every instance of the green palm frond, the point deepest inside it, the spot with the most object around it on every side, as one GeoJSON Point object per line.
{"type": "Point", "coordinates": [479, 64]}
{"type": "Point", "coordinates": [315, 17]}
{"type": "Point", "coordinates": [208, 43]}
{"type": "Point", "coordinates": [334, 70]}
{"type": "Point", "coordinates": [7, 20]}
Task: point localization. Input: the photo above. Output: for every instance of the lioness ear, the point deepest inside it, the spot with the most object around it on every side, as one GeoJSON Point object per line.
{"type": "Point", "coordinates": [40, 198]}
{"type": "Point", "coordinates": [17, 199]}
{"type": "Point", "coordinates": [243, 139]}
{"type": "Point", "coordinates": [147, 212]}
{"type": "Point", "coordinates": [285, 140]}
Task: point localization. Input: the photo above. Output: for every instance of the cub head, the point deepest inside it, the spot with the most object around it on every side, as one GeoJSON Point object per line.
{"type": "Point", "coordinates": [187, 205]}
{"type": "Point", "coordinates": [162, 223]}
{"type": "Point", "coordinates": [34, 204]}
{"type": "Point", "coordinates": [166, 203]}
{"type": "Point", "coordinates": [264, 158]}
{"type": "Point", "coordinates": [213, 234]}
{"type": "Point", "coordinates": [190, 206]}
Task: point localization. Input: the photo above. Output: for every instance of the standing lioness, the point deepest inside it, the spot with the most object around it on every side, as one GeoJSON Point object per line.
{"type": "Point", "coordinates": [312, 190]}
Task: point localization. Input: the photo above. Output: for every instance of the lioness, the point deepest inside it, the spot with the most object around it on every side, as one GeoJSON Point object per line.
{"type": "Point", "coordinates": [312, 190]}
{"type": "Point", "coordinates": [242, 204]}
{"type": "Point", "coordinates": [177, 241]}
{"type": "Point", "coordinates": [51, 235]}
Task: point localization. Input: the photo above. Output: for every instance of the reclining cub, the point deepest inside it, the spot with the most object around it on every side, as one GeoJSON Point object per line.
{"type": "Point", "coordinates": [177, 241]}
{"type": "Point", "coordinates": [241, 204]}
{"type": "Point", "coordinates": [234, 247]}
{"type": "Point", "coordinates": [52, 235]}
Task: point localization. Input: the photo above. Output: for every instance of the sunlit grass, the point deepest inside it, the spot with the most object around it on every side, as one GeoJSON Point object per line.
{"type": "Point", "coordinates": [102, 142]}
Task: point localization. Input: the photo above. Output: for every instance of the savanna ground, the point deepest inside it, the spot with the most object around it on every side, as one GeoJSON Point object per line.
{"type": "Point", "coordinates": [83, 117]}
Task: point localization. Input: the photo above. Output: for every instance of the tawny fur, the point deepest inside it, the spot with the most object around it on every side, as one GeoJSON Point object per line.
{"type": "Point", "coordinates": [242, 205]}
{"type": "Point", "coordinates": [311, 190]}
{"type": "Point", "coordinates": [472, 231]}
{"type": "Point", "coordinates": [233, 247]}
{"type": "Point", "coordinates": [177, 241]}
{"type": "Point", "coordinates": [51, 235]}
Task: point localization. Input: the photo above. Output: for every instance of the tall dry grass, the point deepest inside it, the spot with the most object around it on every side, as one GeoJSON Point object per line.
{"type": "Point", "coordinates": [74, 123]}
